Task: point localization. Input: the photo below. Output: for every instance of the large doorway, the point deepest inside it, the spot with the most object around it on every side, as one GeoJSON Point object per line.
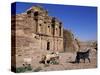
{"type": "Point", "coordinates": [48, 45]}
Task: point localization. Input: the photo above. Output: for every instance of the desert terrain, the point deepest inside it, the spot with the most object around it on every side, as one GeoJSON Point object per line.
{"type": "Point", "coordinates": [66, 62]}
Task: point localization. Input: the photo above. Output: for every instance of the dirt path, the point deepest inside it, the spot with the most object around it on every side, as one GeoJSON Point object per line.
{"type": "Point", "coordinates": [65, 63]}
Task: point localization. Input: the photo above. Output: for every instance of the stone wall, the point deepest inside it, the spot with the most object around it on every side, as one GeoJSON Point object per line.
{"type": "Point", "coordinates": [34, 32]}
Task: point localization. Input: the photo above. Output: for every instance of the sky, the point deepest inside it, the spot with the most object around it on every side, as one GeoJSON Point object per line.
{"type": "Point", "coordinates": [80, 20]}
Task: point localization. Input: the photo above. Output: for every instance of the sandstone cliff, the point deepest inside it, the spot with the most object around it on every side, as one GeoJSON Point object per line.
{"type": "Point", "coordinates": [71, 44]}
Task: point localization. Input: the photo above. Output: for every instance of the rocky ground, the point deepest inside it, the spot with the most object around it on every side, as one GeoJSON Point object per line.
{"type": "Point", "coordinates": [66, 63]}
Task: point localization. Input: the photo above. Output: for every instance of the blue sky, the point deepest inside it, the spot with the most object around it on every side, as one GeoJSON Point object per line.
{"type": "Point", "coordinates": [81, 20]}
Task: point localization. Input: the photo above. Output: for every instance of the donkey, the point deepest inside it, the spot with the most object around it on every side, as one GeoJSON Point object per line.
{"type": "Point", "coordinates": [82, 55]}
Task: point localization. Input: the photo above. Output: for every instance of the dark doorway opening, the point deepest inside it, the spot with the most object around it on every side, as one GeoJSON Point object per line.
{"type": "Point", "coordinates": [36, 14]}
{"type": "Point", "coordinates": [48, 45]}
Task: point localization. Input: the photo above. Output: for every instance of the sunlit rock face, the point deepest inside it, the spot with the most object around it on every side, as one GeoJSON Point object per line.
{"type": "Point", "coordinates": [35, 31]}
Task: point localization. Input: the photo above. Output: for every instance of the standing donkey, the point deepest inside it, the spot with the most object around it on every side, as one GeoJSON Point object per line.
{"type": "Point", "coordinates": [82, 55]}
